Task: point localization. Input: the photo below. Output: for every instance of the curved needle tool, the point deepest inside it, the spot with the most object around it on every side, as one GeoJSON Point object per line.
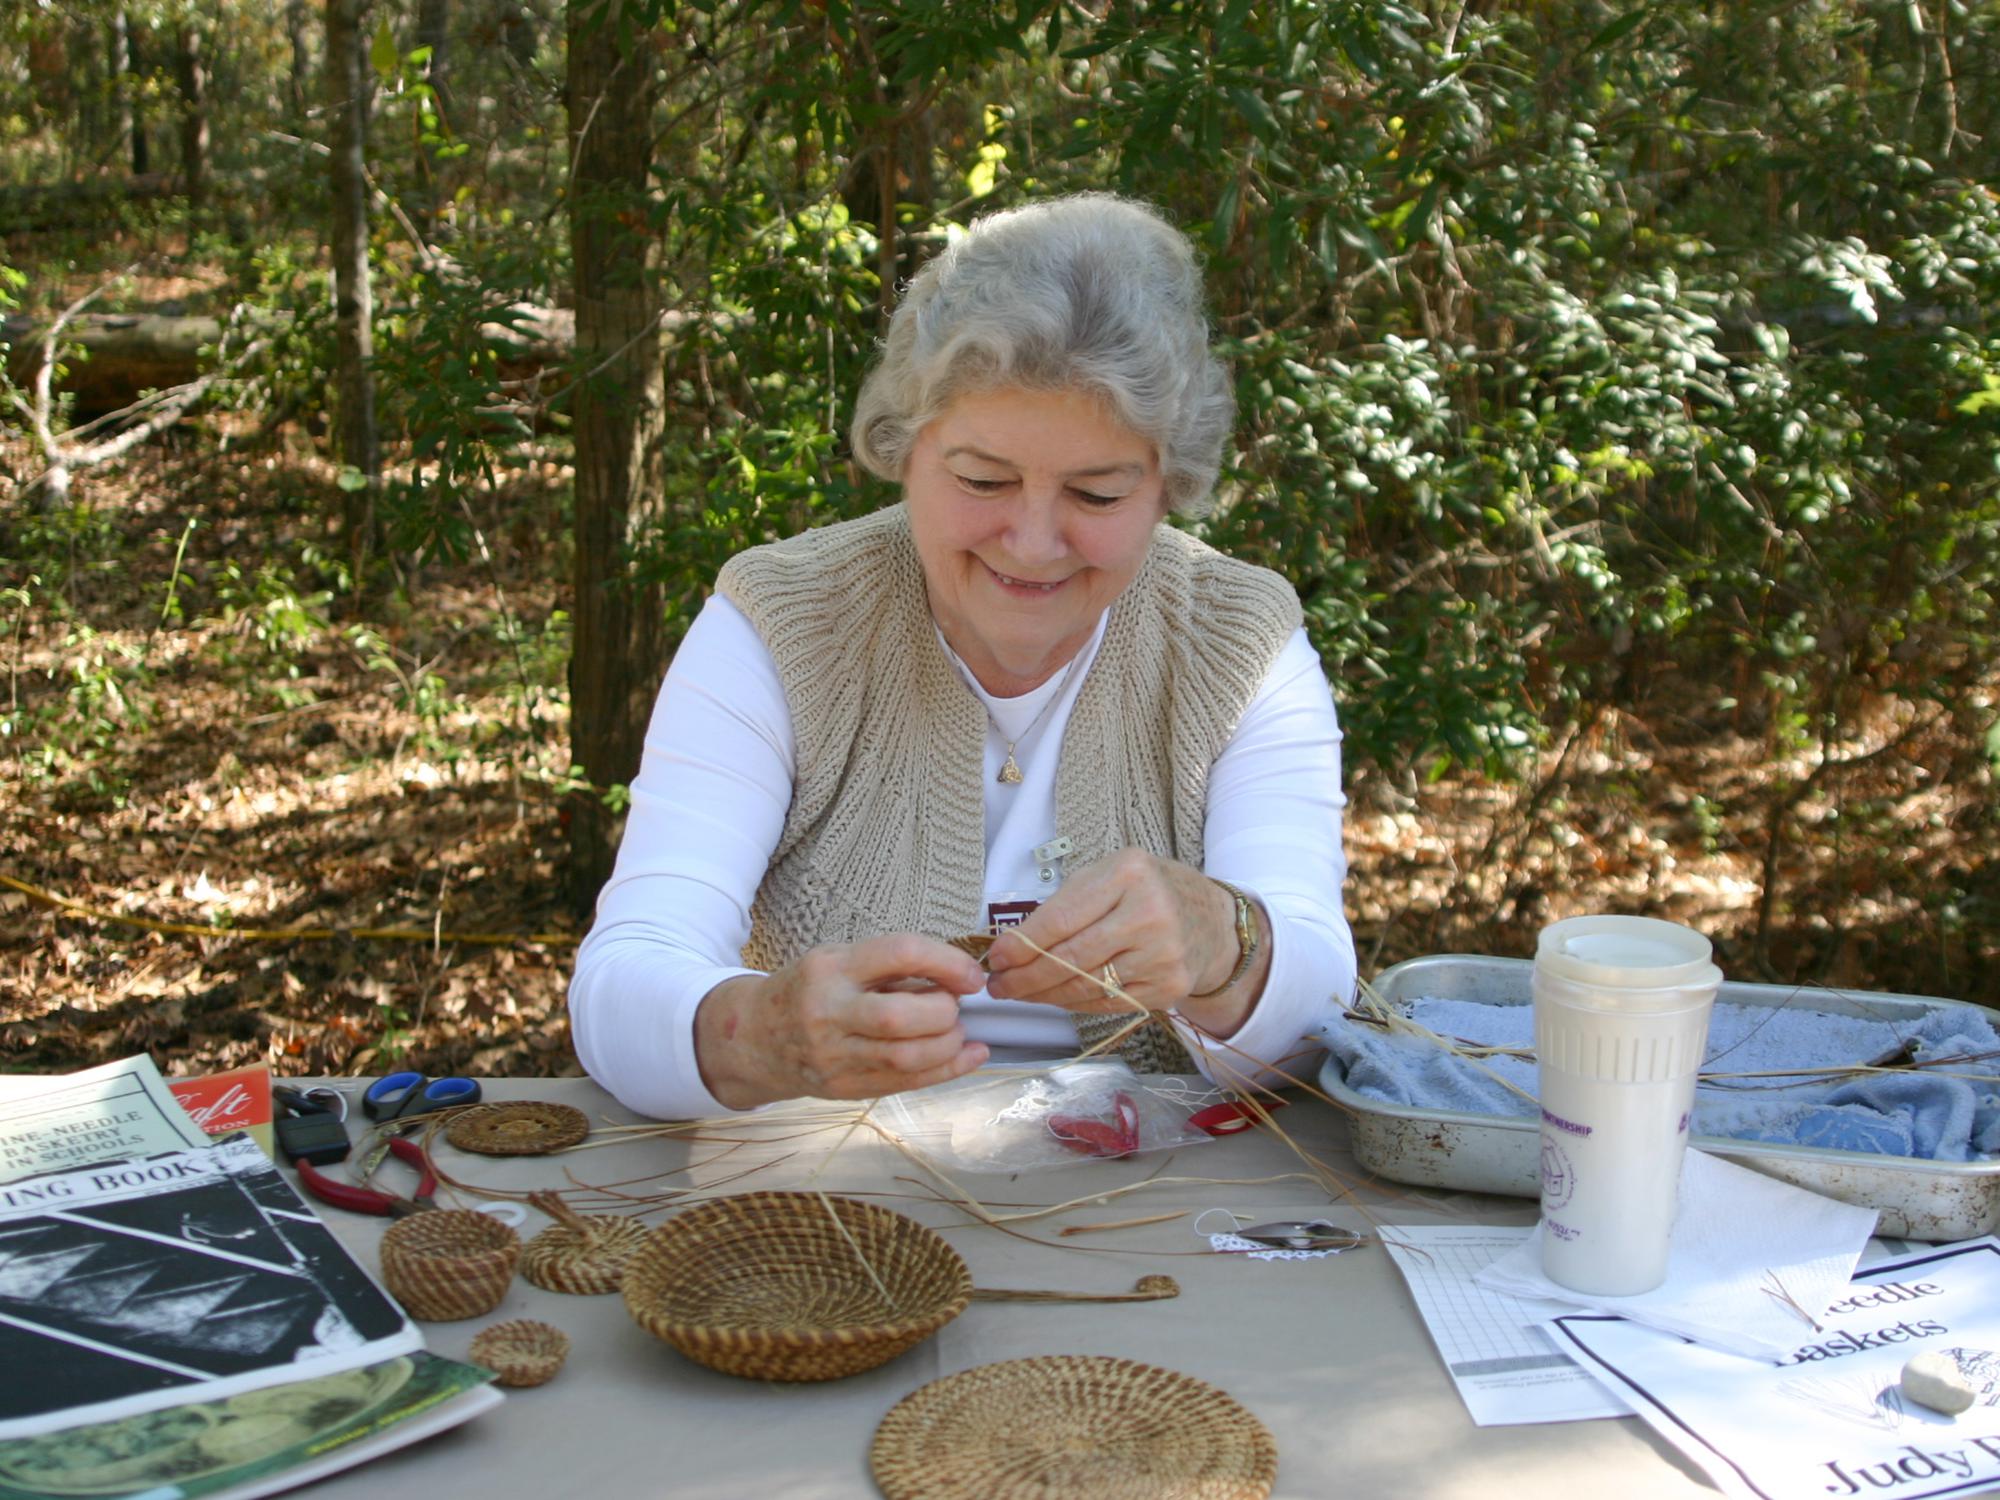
{"type": "Point", "coordinates": [1146, 1289]}
{"type": "Point", "coordinates": [1303, 1234]}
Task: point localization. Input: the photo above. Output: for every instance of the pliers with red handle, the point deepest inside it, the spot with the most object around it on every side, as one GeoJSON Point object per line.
{"type": "Point", "coordinates": [367, 1200]}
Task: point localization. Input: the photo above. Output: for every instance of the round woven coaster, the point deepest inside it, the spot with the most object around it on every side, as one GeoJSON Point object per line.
{"type": "Point", "coordinates": [1072, 1427]}
{"type": "Point", "coordinates": [524, 1128]}
{"type": "Point", "coordinates": [585, 1263]}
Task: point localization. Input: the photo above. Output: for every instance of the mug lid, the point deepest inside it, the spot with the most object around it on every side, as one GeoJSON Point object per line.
{"type": "Point", "coordinates": [1639, 952]}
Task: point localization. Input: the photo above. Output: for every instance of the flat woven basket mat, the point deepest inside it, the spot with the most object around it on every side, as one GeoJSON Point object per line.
{"type": "Point", "coordinates": [1072, 1427]}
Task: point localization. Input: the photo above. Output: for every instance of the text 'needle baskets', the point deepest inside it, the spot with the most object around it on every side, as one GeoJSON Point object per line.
{"type": "Point", "coordinates": [769, 1285]}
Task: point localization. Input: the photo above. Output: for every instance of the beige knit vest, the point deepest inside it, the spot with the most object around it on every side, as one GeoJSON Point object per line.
{"type": "Point", "coordinates": [886, 831]}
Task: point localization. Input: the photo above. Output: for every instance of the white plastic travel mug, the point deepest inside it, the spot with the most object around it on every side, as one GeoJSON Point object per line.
{"type": "Point", "coordinates": [1621, 1021]}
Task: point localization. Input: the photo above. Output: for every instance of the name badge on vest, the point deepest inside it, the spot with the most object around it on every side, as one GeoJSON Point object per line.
{"type": "Point", "coordinates": [1000, 915]}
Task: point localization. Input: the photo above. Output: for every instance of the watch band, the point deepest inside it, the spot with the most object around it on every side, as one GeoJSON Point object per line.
{"type": "Point", "coordinates": [1246, 940]}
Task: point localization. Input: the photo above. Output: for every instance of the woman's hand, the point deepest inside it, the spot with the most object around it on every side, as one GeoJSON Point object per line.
{"type": "Point", "coordinates": [841, 1022]}
{"type": "Point", "coordinates": [1169, 930]}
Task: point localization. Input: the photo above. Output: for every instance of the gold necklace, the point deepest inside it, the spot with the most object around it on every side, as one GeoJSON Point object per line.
{"type": "Point", "coordinates": [1010, 768]}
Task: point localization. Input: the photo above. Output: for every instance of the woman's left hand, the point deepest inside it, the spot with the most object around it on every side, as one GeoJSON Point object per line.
{"type": "Point", "coordinates": [1168, 929]}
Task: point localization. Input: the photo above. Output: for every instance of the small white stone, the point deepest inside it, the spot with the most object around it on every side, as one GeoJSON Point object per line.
{"type": "Point", "coordinates": [1934, 1380]}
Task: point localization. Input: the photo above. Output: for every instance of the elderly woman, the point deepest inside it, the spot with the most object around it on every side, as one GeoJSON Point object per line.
{"type": "Point", "coordinates": [1017, 701]}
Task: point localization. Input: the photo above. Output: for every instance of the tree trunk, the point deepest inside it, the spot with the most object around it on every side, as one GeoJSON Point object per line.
{"type": "Point", "coordinates": [299, 87]}
{"type": "Point", "coordinates": [618, 649]}
{"type": "Point", "coordinates": [517, 31]}
{"type": "Point", "coordinates": [354, 342]}
{"type": "Point", "coordinates": [433, 17]}
{"type": "Point", "coordinates": [124, 91]}
{"type": "Point", "coordinates": [193, 75]}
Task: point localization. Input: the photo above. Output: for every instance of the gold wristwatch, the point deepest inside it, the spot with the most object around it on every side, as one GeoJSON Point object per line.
{"type": "Point", "coordinates": [1246, 940]}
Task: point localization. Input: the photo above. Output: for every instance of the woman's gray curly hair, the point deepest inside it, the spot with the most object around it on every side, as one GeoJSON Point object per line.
{"type": "Point", "coordinates": [1091, 292]}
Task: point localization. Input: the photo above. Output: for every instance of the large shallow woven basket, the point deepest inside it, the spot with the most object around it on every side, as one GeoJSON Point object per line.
{"type": "Point", "coordinates": [768, 1286]}
{"type": "Point", "coordinates": [1072, 1427]}
{"type": "Point", "coordinates": [449, 1263]}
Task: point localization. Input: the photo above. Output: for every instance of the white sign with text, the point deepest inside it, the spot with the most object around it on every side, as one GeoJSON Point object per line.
{"type": "Point", "coordinates": [1829, 1419]}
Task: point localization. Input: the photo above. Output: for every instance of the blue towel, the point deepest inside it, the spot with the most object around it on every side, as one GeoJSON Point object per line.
{"type": "Point", "coordinates": [1924, 1115]}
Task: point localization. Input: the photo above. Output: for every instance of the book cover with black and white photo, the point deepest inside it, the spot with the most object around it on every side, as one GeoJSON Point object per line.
{"type": "Point", "coordinates": [129, 1286]}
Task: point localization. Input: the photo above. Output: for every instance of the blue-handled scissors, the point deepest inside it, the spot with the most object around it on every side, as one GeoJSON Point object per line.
{"type": "Point", "coordinates": [401, 1095]}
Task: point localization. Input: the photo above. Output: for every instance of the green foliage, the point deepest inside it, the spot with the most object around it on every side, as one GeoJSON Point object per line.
{"type": "Point", "coordinates": [761, 384]}
{"type": "Point", "coordinates": [267, 607]}
{"type": "Point", "coordinates": [1561, 350]}
{"type": "Point", "coordinates": [1568, 343]}
{"type": "Point", "coordinates": [65, 717]}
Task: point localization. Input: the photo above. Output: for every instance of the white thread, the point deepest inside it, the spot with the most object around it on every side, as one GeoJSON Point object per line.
{"type": "Point", "coordinates": [1185, 1094]}
{"type": "Point", "coordinates": [1234, 1220]}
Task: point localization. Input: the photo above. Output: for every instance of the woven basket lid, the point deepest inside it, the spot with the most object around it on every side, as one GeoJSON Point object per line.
{"type": "Point", "coordinates": [588, 1262]}
{"type": "Point", "coordinates": [1072, 1427]}
{"type": "Point", "coordinates": [523, 1127]}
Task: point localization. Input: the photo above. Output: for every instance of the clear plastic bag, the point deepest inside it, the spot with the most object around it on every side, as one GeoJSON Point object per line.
{"type": "Point", "coordinates": [1016, 1120]}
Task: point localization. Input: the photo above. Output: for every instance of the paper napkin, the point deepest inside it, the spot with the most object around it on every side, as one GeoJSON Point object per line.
{"type": "Point", "coordinates": [1742, 1243]}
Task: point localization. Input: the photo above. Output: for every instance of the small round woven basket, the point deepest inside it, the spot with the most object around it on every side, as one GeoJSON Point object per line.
{"type": "Point", "coordinates": [1072, 1427]}
{"type": "Point", "coordinates": [768, 1286]}
{"type": "Point", "coordinates": [524, 1127]}
{"type": "Point", "coordinates": [584, 1262]}
{"type": "Point", "coordinates": [449, 1263]}
{"type": "Point", "coordinates": [522, 1352]}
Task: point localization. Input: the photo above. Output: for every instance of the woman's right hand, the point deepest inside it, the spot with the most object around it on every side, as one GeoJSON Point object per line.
{"type": "Point", "coordinates": [841, 1022]}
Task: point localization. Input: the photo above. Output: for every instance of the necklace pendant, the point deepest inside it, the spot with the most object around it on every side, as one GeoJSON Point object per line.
{"type": "Point", "coordinates": [1010, 772]}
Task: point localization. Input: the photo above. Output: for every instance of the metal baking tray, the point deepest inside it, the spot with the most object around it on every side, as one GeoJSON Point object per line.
{"type": "Point", "coordinates": [1918, 1200]}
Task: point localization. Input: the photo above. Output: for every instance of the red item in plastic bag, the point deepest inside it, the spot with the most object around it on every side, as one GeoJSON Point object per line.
{"type": "Point", "coordinates": [1119, 1137]}
{"type": "Point", "coordinates": [1234, 1115]}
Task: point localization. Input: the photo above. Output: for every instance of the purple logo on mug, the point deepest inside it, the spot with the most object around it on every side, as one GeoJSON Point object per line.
{"type": "Point", "coordinates": [1558, 1176]}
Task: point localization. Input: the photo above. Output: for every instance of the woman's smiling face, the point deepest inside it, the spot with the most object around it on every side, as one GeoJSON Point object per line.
{"type": "Point", "coordinates": [1031, 510]}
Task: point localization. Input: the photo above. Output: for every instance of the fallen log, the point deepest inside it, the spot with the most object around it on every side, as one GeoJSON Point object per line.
{"type": "Point", "coordinates": [126, 354]}
{"type": "Point", "coordinates": [123, 354]}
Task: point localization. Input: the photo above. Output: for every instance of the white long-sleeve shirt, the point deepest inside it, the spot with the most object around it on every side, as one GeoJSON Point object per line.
{"type": "Point", "coordinates": [709, 805]}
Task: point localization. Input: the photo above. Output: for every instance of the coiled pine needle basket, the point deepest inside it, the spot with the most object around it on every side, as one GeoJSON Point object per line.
{"type": "Point", "coordinates": [582, 1255]}
{"type": "Point", "coordinates": [522, 1352]}
{"type": "Point", "coordinates": [449, 1263]}
{"type": "Point", "coordinates": [1072, 1427]}
{"type": "Point", "coordinates": [522, 1127]}
{"type": "Point", "coordinates": [770, 1287]}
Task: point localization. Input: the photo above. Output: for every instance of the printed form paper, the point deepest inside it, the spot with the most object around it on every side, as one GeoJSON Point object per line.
{"type": "Point", "coordinates": [1507, 1370]}
{"type": "Point", "coordinates": [1829, 1419]}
